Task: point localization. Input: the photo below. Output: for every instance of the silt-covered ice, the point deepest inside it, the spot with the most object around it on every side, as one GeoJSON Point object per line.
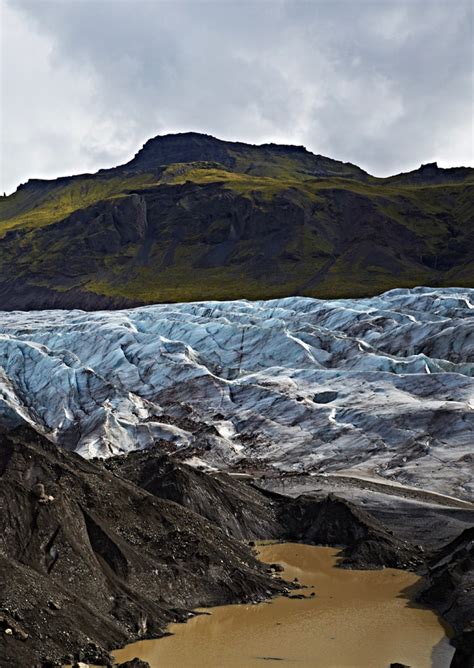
{"type": "Point", "coordinates": [375, 386]}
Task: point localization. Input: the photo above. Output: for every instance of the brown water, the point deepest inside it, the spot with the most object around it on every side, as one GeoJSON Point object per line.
{"type": "Point", "coordinates": [358, 619]}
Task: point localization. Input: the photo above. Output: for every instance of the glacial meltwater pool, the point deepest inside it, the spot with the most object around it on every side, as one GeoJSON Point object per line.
{"type": "Point", "coordinates": [357, 619]}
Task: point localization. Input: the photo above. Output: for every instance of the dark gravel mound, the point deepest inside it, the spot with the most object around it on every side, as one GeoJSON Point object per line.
{"type": "Point", "coordinates": [337, 522]}
{"type": "Point", "coordinates": [239, 509]}
{"type": "Point", "coordinates": [89, 561]}
{"type": "Point", "coordinates": [246, 511]}
{"type": "Point", "coordinates": [450, 589]}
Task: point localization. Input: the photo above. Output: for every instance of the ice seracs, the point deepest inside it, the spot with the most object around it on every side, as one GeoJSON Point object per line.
{"type": "Point", "coordinates": [382, 385]}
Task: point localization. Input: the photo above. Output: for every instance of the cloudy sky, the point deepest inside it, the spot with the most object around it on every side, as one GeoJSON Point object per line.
{"type": "Point", "coordinates": [386, 84]}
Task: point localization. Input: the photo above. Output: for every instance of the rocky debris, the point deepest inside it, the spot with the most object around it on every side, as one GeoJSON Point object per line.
{"type": "Point", "coordinates": [33, 297]}
{"type": "Point", "coordinates": [450, 590]}
{"type": "Point", "coordinates": [106, 562]}
{"type": "Point", "coordinates": [130, 544]}
{"type": "Point", "coordinates": [244, 510]}
{"type": "Point", "coordinates": [239, 509]}
{"type": "Point", "coordinates": [133, 663]}
{"type": "Point", "coordinates": [336, 522]}
{"type": "Point", "coordinates": [422, 518]}
{"type": "Point", "coordinates": [11, 627]}
{"type": "Point", "coordinates": [464, 644]}
{"type": "Point", "coordinates": [40, 495]}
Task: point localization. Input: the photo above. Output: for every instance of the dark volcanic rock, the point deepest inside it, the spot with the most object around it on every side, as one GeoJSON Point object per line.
{"type": "Point", "coordinates": [450, 589]}
{"type": "Point", "coordinates": [464, 644]}
{"type": "Point", "coordinates": [334, 521]}
{"type": "Point", "coordinates": [239, 509]}
{"type": "Point", "coordinates": [134, 663]}
{"type": "Point", "coordinates": [17, 294]}
{"type": "Point", "coordinates": [101, 561]}
{"type": "Point", "coordinates": [246, 511]}
{"type": "Point", "coordinates": [179, 148]}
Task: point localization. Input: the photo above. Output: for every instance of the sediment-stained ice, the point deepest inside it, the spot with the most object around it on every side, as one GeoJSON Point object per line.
{"type": "Point", "coordinates": [376, 386]}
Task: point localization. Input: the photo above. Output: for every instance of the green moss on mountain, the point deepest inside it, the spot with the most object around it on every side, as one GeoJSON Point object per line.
{"type": "Point", "coordinates": [191, 217]}
{"type": "Point", "coordinates": [41, 203]}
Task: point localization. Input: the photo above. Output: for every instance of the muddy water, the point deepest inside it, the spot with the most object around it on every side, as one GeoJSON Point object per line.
{"type": "Point", "coordinates": [357, 619]}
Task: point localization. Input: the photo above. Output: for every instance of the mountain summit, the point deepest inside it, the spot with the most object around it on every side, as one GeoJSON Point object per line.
{"type": "Point", "coordinates": [192, 217]}
{"type": "Point", "coordinates": [265, 160]}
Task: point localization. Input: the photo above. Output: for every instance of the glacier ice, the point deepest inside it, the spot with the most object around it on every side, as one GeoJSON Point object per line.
{"type": "Point", "coordinates": [382, 385]}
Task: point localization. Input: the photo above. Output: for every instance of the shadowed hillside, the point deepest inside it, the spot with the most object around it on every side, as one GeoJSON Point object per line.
{"type": "Point", "coordinates": [192, 217]}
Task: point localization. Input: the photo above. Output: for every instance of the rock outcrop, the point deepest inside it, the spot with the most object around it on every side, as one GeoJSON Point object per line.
{"type": "Point", "coordinates": [246, 511]}
{"type": "Point", "coordinates": [336, 522]}
{"type": "Point", "coordinates": [450, 590]}
{"type": "Point", "coordinates": [240, 510]}
{"type": "Point", "coordinates": [103, 562]}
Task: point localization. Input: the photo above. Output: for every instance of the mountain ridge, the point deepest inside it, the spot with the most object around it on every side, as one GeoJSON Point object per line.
{"type": "Point", "coordinates": [193, 217]}
{"type": "Point", "coordinates": [458, 171]}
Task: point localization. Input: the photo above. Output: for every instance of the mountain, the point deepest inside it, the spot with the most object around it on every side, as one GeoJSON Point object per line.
{"type": "Point", "coordinates": [193, 217]}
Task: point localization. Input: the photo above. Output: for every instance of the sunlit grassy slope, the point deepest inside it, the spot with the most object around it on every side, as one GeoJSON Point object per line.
{"type": "Point", "coordinates": [193, 218]}
{"type": "Point", "coordinates": [42, 204]}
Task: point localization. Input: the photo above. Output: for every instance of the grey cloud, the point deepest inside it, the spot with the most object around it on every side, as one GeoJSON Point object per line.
{"type": "Point", "coordinates": [386, 84]}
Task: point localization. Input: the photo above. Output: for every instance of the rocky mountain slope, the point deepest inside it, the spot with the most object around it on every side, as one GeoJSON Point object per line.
{"type": "Point", "coordinates": [241, 510]}
{"type": "Point", "coordinates": [450, 589]}
{"type": "Point", "coordinates": [380, 386]}
{"type": "Point", "coordinates": [89, 561]}
{"type": "Point", "coordinates": [244, 510]}
{"type": "Point", "coordinates": [192, 217]}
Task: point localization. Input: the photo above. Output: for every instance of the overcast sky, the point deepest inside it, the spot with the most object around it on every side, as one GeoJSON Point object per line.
{"type": "Point", "coordinates": [386, 84]}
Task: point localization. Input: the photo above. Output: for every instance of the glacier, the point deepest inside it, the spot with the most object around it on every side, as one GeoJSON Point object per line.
{"type": "Point", "coordinates": [381, 386]}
